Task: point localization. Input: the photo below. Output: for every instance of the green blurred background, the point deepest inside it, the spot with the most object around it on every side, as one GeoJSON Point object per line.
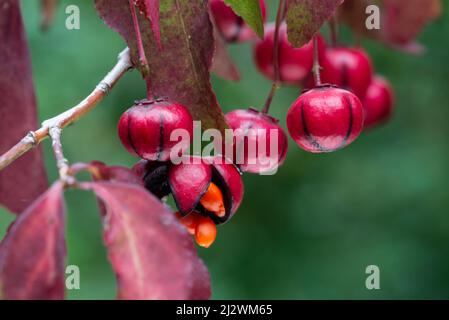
{"type": "Point", "coordinates": [309, 231]}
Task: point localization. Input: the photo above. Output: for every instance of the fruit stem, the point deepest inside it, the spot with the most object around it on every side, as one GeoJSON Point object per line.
{"type": "Point", "coordinates": [66, 118]}
{"type": "Point", "coordinates": [277, 74]}
{"type": "Point", "coordinates": [333, 24]}
{"type": "Point", "coordinates": [316, 61]}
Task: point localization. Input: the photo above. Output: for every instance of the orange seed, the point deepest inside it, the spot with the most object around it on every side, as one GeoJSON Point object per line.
{"type": "Point", "coordinates": [213, 200]}
{"type": "Point", "coordinates": [205, 232]}
{"type": "Point", "coordinates": [190, 221]}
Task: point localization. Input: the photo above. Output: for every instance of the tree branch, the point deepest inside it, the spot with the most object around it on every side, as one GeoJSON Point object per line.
{"type": "Point", "coordinates": [61, 161]}
{"type": "Point", "coordinates": [66, 118]}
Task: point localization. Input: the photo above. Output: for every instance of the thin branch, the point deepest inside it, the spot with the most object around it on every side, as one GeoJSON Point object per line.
{"type": "Point", "coordinates": [68, 117]}
{"type": "Point", "coordinates": [316, 61]}
{"type": "Point", "coordinates": [61, 161]}
{"type": "Point", "coordinates": [277, 74]}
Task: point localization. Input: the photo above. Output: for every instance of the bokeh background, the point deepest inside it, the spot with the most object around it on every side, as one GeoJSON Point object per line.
{"type": "Point", "coordinates": [309, 231]}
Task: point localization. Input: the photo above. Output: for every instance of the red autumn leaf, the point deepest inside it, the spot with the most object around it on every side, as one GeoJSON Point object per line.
{"type": "Point", "coordinates": [180, 70]}
{"type": "Point", "coordinates": [305, 18]}
{"type": "Point", "coordinates": [401, 21]}
{"type": "Point", "coordinates": [33, 252]}
{"type": "Point", "coordinates": [151, 10]}
{"type": "Point", "coordinates": [222, 64]}
{"type": "Point", "coordinates": [152, 255]}
{"type": "Point", "coordinates": [25, 179]}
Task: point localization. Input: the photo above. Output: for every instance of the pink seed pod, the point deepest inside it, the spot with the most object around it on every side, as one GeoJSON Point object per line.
{"type": "Point", "coordinates": [252, 148]}
{"type": "Point", "coordinates": [231, 26]}
{"type": "Point", "coordinates": [347, 68]}
{"type": "Point", "coordinates": [378, 102]}
{"type": "Point", "coordinates": [294, 63]}
{"type": "Point", "coordinates": [145, 128]}
{"type": "Point", "coordinates": [325, 119]}
{"type": "Point", "coordinates": [189, 181]}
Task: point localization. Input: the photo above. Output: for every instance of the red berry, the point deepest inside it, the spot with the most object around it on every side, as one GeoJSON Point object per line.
{"type": "Point", "coordinates": [231, 26]}
{"type": "Point", "coordinates": [294, 63]}
{"type": "Point", "coordinates": [146, 127]}
{"type": "Point", "coordinates": [347, 68]}
{"type": "Point", "coordinates": [378, 102]}
{"type": "Point", "coordinates": [255, 128]}
{"type": "Point", "coordinates": [325, 119]}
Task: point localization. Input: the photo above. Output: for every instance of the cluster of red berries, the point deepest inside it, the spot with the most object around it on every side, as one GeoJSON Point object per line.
{"type": "Point", "coordinates": [207, 191]}
{"type": "Point", "coordinates": [325, 117]}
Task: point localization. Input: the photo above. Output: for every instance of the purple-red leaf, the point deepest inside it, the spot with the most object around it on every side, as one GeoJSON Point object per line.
{"type": "Point", "coordinates": [25, 179]}
{"type": "Point", "coordinates": [151, 10]}
{"type": "Point", "coordinates": [305, 18]}
{"type": "Point", "coordinates": [152, 255]}
{"type": "Point", "coordinates": [180, 71]}
{"type": "Point", "coordinates": [33, 252]}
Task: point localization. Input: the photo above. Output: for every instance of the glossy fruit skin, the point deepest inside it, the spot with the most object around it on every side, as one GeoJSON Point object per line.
{"type": "Point", "coordinates": [378, 102]}
{"type": "Point", "coordinates": [145, 128]}
{"type": "Point", "coordinates": [231, 26]}
{"type": "Point", "coordinates": [255, 120]}
{"type": "Point", "coordinates": [188, 183]}
{"type": "Point", "coordinates": [325, 119]}
{"type": "Point", "coordinates": [347, 68]}
{"type": "Point", "coordinates": [295, 64]}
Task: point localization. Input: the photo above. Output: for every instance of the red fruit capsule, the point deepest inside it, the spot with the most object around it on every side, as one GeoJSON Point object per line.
{"type": "Point", "coordinates": [325, 119]}
{"type": "Point", "coordinates": [146, 127]}
{"type": "Point", "coordinates": [194, 183]}
{"type": "Point", "coordinates": [188, 183]}
{"type": "Point", "coordinates": [378, 102]}
{"type": "Point", "coordinates": [347, 68]}
{"type": "Point", "coordinates": [294, 63]}
{"type": "Point", "coordinates": [231, 26]}
{"type": "Point", "coordinates": [253, 147]}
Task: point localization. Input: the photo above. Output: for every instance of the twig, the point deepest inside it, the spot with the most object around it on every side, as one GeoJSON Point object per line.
{"type": "Point", "coordinates": [61, 161]}
{"type": "Point", "coordinates": [277, 74]}
{"type": "Point", "coordinates": [316, 61]}
{"type": "Point", "coordinates": [66, 118]}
